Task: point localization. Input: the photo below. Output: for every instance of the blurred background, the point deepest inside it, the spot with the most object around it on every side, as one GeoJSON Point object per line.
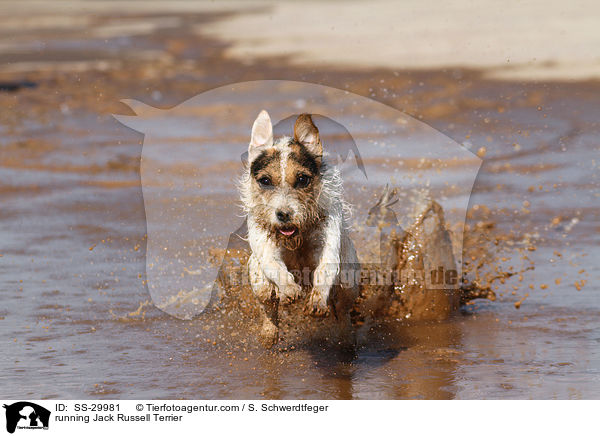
{"type": "Point", "coordinates": [516, 83]}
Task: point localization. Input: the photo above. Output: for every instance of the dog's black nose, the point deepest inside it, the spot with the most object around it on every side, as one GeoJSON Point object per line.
{"type": "Point", "coordinates": [282, 216]}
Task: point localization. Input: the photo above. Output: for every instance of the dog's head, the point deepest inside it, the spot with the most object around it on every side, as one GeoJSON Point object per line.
{"type": "Point", "coordinates": [285, 177]}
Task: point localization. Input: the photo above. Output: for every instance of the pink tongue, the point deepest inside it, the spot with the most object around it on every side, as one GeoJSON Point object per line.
{"type": "Point", "coordinates": [287, 232]}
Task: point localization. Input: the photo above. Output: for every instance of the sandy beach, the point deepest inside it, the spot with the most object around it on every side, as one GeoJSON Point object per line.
{"type": "Point", "coordinates": [517, 86]}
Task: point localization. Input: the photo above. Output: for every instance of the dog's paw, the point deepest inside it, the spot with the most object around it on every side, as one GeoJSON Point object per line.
{"type": "Point", "coordinates": [317, 304]}
{"type": "Point", "coordinates": [269, 334]}
{"type": "Point", "coordinates": [290, 293]}
{"type": "Point", "coordinates": [264, 294]}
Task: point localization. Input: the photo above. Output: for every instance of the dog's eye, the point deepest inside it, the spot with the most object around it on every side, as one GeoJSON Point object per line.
{"type": "Point", "coordinates": [302, 181]}
{"type": "Point", "coordinates": [265, 181]}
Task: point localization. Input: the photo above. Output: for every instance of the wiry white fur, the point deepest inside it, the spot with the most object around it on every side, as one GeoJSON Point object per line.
{"type": "Point", "coordinates": [331, 198]}
{"type": "Point", "coordinates": [332, 245]}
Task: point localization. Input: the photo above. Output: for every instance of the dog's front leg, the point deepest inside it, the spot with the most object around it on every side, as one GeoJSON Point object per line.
{"type": "Point", "coordinates": [271, 270]}
{"type": "Point", "coordinates": [274, 270]}
{"type": "Point", "coordinates": [327, 270]}
{"type": "Point", "coordinates": [268, 287]}
{"type": "Point", "coordinates": [265, 292]}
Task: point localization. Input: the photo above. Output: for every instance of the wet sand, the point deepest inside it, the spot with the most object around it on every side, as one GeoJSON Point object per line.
{"type": "Point", "coordinates": [77, 321]}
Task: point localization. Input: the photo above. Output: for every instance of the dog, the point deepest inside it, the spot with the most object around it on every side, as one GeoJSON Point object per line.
{"type": "Point", "coordinates": [297, 223]}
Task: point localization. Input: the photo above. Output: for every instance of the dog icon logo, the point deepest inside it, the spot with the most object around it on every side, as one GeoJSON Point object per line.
{"type": "Point", "coordinates": [190, 175]}
{"type": "Point", "coordinates": [26, 415]}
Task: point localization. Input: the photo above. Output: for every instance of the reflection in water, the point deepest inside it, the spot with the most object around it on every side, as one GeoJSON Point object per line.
{"type": "Point", "coordinates": [394, 360]}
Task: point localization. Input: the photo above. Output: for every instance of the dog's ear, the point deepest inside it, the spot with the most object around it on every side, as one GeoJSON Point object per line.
{"type": "Point", "coordinates": [262, 135]}
{"type": "Point", "coordinates": [307, 134]}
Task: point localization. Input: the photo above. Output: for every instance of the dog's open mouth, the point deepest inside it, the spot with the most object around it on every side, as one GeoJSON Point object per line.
{"type": "Point", "coordinates": [287, 231]}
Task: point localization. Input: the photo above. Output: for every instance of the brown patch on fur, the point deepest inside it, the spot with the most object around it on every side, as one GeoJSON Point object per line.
{"type": "Point", "coordinates": [292, 243]}
{"type": "Point", "coordinates": [267, 164]}
{"type": "Point", "coordinates": [301, 186]}
{"type": "Point", "coordinates": [307, 134]}
{"type": "Point", "coordinates": [302, 160]}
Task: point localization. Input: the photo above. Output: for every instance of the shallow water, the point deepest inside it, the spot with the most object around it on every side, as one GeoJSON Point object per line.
{"type": "Point", "coordinates": [74, 302]}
